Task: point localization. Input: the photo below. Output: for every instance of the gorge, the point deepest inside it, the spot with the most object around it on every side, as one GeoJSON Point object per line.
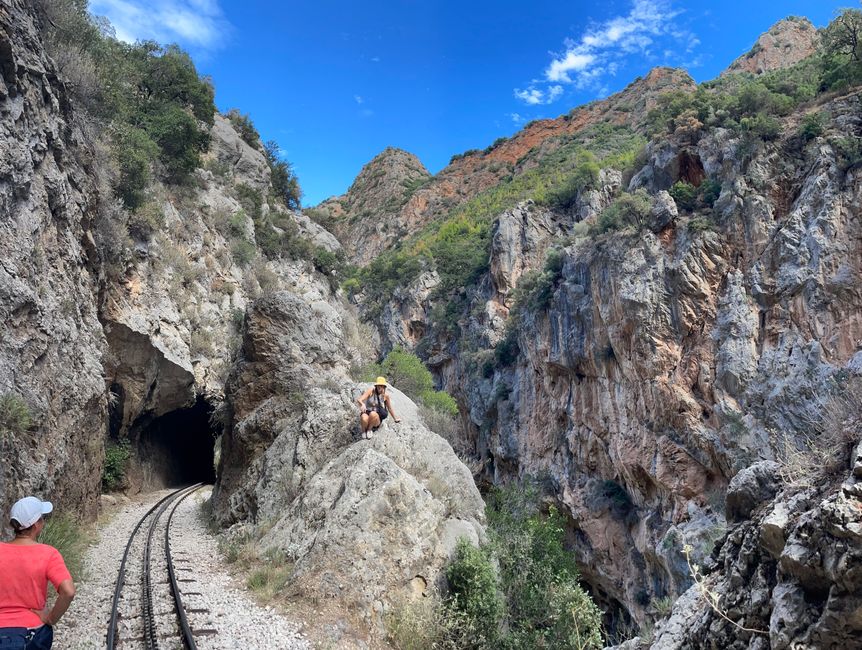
{"type": "Point", "coordinates": [649, 309]}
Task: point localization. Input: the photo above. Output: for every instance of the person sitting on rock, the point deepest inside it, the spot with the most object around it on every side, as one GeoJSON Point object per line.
{"type": "Point", "coordinates": [27, 567]}
{"type": "Point", "coordinates": [374, 407]}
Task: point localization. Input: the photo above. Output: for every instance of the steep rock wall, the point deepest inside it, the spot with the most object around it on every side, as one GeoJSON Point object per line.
{"type": "Point", "coordinates": [668, 360]}
{"type": "Point", "coordinates": [51, 342]}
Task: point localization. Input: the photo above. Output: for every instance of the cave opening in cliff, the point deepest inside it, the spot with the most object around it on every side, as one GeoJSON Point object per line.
{"type": "Point", "coordinates": [178, 447]}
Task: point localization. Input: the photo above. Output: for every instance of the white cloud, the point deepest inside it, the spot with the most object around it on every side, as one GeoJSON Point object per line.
{"type": "Point", "coordinates": [648, 30]}
{"type": "Point", "coordinates": [534, 96]}
{"type": "Point", "coordinates": [517, 118]}
{"type": "Point", "coordinates": [198, 24]}
{"type": "Point", "coordinates": [358, 99]}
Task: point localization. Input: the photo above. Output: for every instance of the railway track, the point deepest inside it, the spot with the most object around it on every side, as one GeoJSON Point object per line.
{"type": "Point", "coordinates": [153, 616]}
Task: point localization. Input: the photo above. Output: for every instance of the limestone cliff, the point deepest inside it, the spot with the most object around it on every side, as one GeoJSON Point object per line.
{"type": "Point", "coordinates": [786, 43]}
{"type": "Point", "coordinates": [657, 363]}
{"type": "Point", "coordinates": [51, 341]}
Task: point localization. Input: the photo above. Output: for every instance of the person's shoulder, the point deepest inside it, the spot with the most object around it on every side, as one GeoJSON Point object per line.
{"type": "Point", "coordinates": [48, 550]}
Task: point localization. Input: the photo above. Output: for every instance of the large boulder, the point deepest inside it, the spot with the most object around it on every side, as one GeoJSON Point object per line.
{"type": "Point", "coordinates": [368, 522]}
{"type": "Point", "coordinates": [379, 521]}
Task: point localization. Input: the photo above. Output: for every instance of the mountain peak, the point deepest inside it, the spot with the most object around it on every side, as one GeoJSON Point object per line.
{"type": "Point", "coordinates": [786, 43]}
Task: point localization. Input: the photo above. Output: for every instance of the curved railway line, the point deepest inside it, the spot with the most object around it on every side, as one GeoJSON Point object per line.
{"type": "Point", "coordinates": [136, 619]}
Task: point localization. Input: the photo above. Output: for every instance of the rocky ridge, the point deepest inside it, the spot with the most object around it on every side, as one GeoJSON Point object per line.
{"type": "Point", "coordinates": [367, 216]}
{"type": "Point", "coordinates": [475, 171]}
{"type": "Point", "coordinates": [786, 43]}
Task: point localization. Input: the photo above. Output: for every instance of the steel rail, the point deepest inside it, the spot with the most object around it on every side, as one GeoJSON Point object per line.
{"type": "Point", "coordinates": [188, 638]}
{"type": "Point", "coordinates": [121, 574]}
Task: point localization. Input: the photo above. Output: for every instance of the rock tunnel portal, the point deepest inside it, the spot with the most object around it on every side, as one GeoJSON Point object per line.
{"type": "Point", "coordinates": [177, 448]}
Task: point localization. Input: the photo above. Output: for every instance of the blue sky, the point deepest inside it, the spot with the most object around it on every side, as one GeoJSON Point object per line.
{"type": "Point", "coordinates": [336, 81]}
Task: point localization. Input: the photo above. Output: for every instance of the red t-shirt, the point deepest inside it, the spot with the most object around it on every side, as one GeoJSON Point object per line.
{"type": "Point", "coordinates": [25, 570]}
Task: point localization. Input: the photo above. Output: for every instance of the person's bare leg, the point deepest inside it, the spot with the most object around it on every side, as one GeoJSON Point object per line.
{"type": "Point", "coordinates": [364, 418]}
{"type": "Point", "coordinates": [373, 421]}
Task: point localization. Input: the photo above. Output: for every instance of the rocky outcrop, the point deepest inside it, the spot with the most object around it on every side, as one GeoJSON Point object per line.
{"type": "Point", "coordinates": [785, 44]}
{"type": "Point", "coordinates": [367, 522]}
{"type": "Point", "coordinates": [789, 575]}
{"type": "Point", "coordinates": [232, 156]}
{"type": "Point", "coordinates": [173, 323]}
{"type": "Point", "coordinates": [367, 217]}
{"type": "Point", "coordinates": [51, 342]}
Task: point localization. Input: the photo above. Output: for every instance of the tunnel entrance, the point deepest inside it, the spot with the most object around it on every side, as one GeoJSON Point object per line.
{"type": "Point", "coordinates": [178, 448]}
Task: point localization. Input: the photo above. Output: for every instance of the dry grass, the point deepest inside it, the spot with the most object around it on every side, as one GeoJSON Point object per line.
{"type": "Point", "coordinates": [834, 428]}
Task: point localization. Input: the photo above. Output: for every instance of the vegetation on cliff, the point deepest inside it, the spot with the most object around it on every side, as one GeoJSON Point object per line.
{"type": "Point", "coordinates": [520, 591]}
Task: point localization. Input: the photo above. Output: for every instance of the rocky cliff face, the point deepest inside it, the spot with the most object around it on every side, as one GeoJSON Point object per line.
{"type": "Point", "coordinates": [367, 522]}
{"type": "Point", "coordinates": [663, 362]}
{"type": "Point", "coordinates": [51, 341]}
{"type": "Point", "coordinates": [787, 42]}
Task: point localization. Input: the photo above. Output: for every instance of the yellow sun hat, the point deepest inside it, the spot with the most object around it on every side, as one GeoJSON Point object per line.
{"type": "Point", "coordinates": [380, 381]}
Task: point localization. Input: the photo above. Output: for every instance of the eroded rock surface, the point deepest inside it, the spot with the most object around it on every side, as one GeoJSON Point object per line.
{"type": "Point", "coordinates": [365, 521]}
{"type": "Point", "coordinates": [51, 342]}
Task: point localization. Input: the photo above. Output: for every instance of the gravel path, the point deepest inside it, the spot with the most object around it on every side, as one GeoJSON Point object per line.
{"type": "Point", "coordinates": [217, 601]}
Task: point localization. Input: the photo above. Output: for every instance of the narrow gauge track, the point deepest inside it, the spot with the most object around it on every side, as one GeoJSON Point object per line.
{"type": "Point", "coordinates": [148, 581]}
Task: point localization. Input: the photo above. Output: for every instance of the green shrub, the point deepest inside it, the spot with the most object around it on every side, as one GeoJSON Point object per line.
{"type": "Point", "coordinates": [244, 126]}
{"type": "Point", "coordinates": [473, 587]}
{"type": "Point", "coordinates": [849, 151]}
{"type": "Point", "coordinates": [546, 607]}
{"type": "Point", "coordinates": [812, 125]}
{"type": "Point", "coordinates": [117, 455]}
{"type": "Point", "coordinates": [762, 126]}
{"type": "Point", "coordinates": [285, 184]}
{"type": "Point", "coordinates": [135, 152]}
{"type": "Point", "coordinates": [15, 417]}
{"type": "Point", "coordinates": [407, 373]}
{"type": "Point", "coordinates": [584, 177]}
{"type": "Point", "coordinates": [243, 252]}
{"type": "Point", "coordinates": [439, 400]}
{"type": "Point", "coordinates": [709, 191]}
{"type": "Point", "coordinates": [627, 211]}
{"type": "Point", "coordinates": [684, 195]}
{"type": "Point", "coordinates": [146, 220]}
{"type": "Point", "coordinates": [522, 589]}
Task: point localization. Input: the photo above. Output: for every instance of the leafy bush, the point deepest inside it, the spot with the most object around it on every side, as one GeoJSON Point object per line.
{"type": "Point", "coordinates": [117, 455]}
{"type": "Point", "coordinates": [285, 184]}
{"type": "Point", "coordinates": [439, 400]}
{"type": "Point", "coordinates": [243, 252]}
{"type": "Point", "coordinates": [688, 197]}
{"type": "Point", "coordinates": [146, 220]}
{"type": "Point", "coordinates": [244, 126]}
{"type": "Point", "coordinates": [135, 152]}
{"type": "Point", "coordinates": [15, 417]}
{"type": "Point", "coordinates": [627, 211]}
{"type": "Point", "coordinates": [812, 125]}
{"type": "Point", "coordinates": [684, 195]}
{"type": "Point", "coordinates": [522, 589]}
{"type": "Point", "coordinates": [584, 177]}
{"type": "Point", "coordinates": [473, 587]}
{"type": "Point", "coordinates": [849, 150]}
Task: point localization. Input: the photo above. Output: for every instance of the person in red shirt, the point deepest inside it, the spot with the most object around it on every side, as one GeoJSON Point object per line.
{"type": "Point", "coordinates": [26, 567]}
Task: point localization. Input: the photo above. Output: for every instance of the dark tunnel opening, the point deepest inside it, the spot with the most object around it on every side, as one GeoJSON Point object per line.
{"type": "Point", "coordinates": [177, 448]}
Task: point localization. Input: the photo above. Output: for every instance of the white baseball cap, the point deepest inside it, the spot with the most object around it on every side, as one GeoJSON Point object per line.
{"type": "Point", "coordinates": [29, 510]}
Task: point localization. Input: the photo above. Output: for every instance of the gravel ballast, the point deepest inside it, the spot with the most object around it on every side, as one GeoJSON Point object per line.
{"type": "Point", "coordinates": [217, 600]}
